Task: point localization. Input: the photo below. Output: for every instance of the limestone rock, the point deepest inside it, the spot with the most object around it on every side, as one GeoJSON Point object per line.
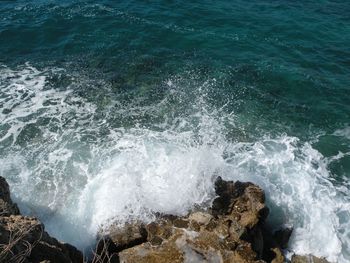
{"type": "Point", "coordinates": [24, 237]}
{"type": "Point", "coordinates": [229, 232]}
{"type": "Point", "coordinates": [118, 239]}
{"type": "Point", "coordinates": [242, 202]}
{"type": "Point", "coordinates": [307, 259]}
{"type": "Point", "coordinates": [200, 218]}
{"type": "Point", "coordinates": [128, 235]}
{"type": "Point", "coordinates": [190, 246]}
{"type": "Point", "coordinates": [232, 230]}
{"type": "Point", "coordinates": [279, 258]}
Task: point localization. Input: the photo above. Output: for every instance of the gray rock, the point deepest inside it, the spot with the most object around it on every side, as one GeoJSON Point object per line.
{"type": "Point", "coordinates": [7, 207]}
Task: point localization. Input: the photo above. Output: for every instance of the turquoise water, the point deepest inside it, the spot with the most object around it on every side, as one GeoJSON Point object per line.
{"type": "Point", "coordinates": [114, 110]}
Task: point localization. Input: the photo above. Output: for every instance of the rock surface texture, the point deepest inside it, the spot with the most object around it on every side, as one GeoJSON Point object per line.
{"type": "Point", "coordinates": [231, 231]}
{"type": "Point", "coordinates": [23, 239]}
{"type": "Point", "coordinates": [308, 259]}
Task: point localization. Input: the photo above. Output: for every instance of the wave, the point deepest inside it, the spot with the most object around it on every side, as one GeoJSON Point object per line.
{"type": "Point", "coordinates": [79, 166]}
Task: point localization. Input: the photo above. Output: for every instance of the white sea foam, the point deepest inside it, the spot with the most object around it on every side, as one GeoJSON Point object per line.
{"type": "Point", "coordinates": [76, 185]}
{"type": "Point", "coordinates": [296, 179]}
{"type": "Point", "coordinates": [345, 132]}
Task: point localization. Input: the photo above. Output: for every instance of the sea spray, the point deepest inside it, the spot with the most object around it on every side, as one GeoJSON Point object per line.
{"type": "Point", "coordinates": [76, 181]}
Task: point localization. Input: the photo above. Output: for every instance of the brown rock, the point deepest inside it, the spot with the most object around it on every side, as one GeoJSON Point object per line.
{"type": "Point", "coordinates": [226, 192]}
{"type": "Point", "coordinates": [308, 259]}
{"type": "Point", "coordinates": [233, 231]}
{"type": "Point", "coordinates": [162, 228]}
{"type": "Point", "coordinates": [128, 235]}
{"type": "Point", "coordinates": [106, 251]}
{"type": "Point", "coordinates": [23, 239]}
{"type": "Point", "coordinates": [181, 223]}
{"type": "Point", "coordinates": [237, 231]}
{"type": "Point", "coordinates": [231, 234]}
{"type": "Point", "coordinates": [200, 218]}
{"type": "Point", "coordinates": [243, 202]}
{"type": "Point", "coordinates": [186, 246]}
{"type": "Point", "coordinates": [166, 252]}
{"type": "Point", "coordinates": [249, 208]}
{"type": "Point", "coordinates": [119, 238]}
{"type": "Point", "coordinates": [279, 258]}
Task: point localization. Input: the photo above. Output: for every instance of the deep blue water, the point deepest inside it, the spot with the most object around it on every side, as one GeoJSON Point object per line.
{"type": "Point", "coordinates": [151, 100]}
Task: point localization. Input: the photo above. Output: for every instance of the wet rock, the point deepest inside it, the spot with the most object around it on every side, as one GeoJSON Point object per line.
{"type": "Point", "coordinates": [188, 246]}
{"type": "Point", "coordinates": [7, 207]}
{"type": "Point", "coordinates": [282, 236]}
{"type": "Point", "coordinates": [225, 191]}
{"type": "Point", "coordinates": [159, 231]}
{"type": "Point", "coordinates": [232, 230]}
{"type": "Point", "coordinates": [128, 235]}
{"type": "Point", "coordinates": [229, 232]}
{"type": "Point", "coordinates": [119, 237]}
{"type": "Point", "coordinates": [181, 223]}
{"type": "Point", "coordinates": [308, 259]}
{"type": "Point", "coordinates": [278, 258]}
{"type": "Point", "coordinates": [200, 218]}
{"type": "Point", "coordinates": [243, 202]}
{"type": "Point", "coordinates": [23, 239]}
{"type": "Point", "coordinates": [106, 251]}
{"type": "Point", "coordinates": [256, 238]}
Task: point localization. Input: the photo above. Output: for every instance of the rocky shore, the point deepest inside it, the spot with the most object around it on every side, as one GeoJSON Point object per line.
{"type": "Point", "coordinates": [232, 230]}
{"type": "Point", "coordinates": [23, 238]}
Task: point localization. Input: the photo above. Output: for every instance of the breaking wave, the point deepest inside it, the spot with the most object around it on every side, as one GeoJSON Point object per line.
{"type": "Point", "coordinates": [79, 164]}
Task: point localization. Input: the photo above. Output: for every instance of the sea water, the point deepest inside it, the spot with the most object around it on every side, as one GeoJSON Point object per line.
{"type": "Point", "coordinates": [114, 111]}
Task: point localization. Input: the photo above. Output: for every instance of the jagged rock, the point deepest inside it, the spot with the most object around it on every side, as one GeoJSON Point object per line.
{"type": "Point", "coordinates": [282, 236]}
{"type": "Point", "coordinates": [118, 239]}
{"type": "Point", "coordinates": [229, 232]}
{"type": "Point", "coordinates": [242, 202]}
{"type": "Point", "coordinates": [23, 239]}
{"type": "Point", "coordinates": [278, 258]}
{"type": "Point", "coordinates": [106, 251]}
{"type": "Point", "coordinates": [130, 234]}
{"type": "Point", "coordinates": [200, 218]}
{"type": "Point", "coordinates": [190, 246]}
{"type": "Point", "coordinates": [232, 230]}
{"type": "Point", "coordinates": [307, 259]}
{"type": "Point", "coordinates": [7, 207]}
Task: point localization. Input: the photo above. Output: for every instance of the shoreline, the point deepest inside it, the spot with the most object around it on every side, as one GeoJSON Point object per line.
{"type": "Point", "coordinates": [233, 229]}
